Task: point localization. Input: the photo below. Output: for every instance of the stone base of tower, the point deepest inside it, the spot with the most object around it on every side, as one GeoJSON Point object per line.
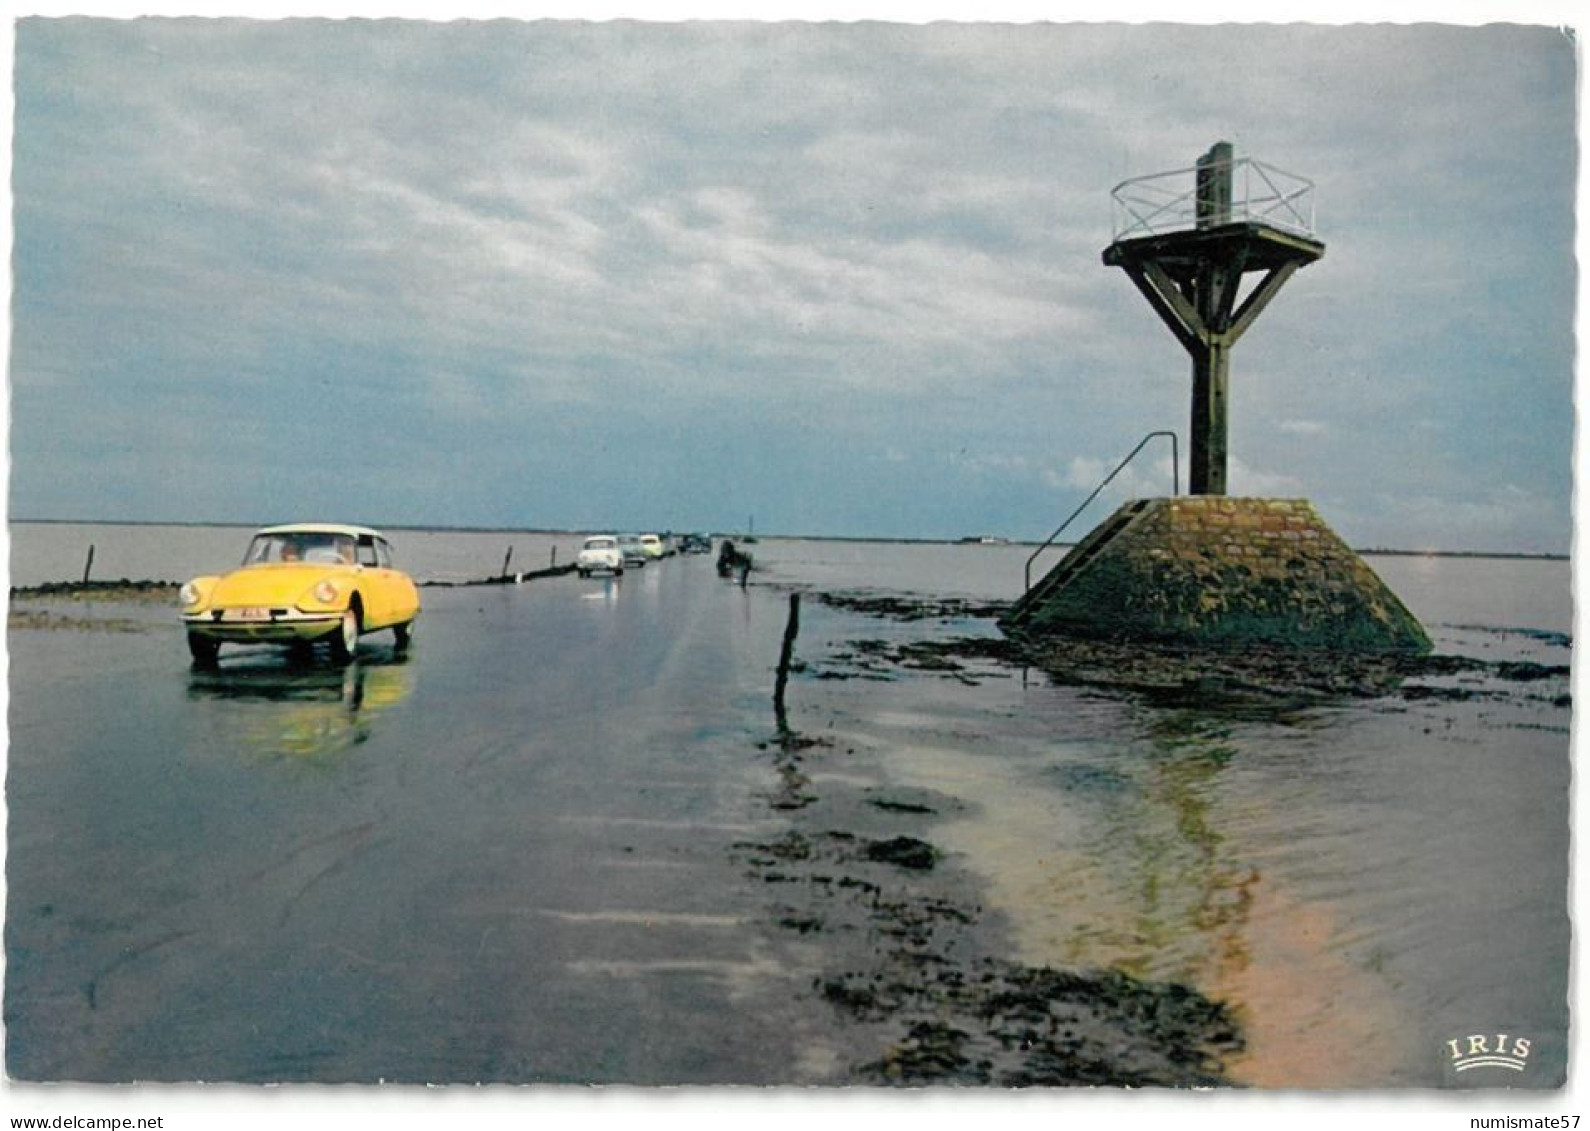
{"type": "Point", "coordinates": [1210, 571]}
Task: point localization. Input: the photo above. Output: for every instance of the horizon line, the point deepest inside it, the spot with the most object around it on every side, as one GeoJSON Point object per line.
{"type": "Point", "coordinates": [1383, 551]}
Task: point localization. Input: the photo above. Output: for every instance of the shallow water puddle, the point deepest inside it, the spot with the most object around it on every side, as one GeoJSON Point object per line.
{"type": "Point", "coordinates": [1135, 876]}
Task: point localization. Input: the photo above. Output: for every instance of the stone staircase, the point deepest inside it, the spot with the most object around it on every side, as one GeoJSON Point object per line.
{"type": "Point", "coordinates": [1081, 555]}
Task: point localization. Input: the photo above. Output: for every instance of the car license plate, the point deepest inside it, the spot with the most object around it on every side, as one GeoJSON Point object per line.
{"type": "Point", "coordinates": [253, 614]}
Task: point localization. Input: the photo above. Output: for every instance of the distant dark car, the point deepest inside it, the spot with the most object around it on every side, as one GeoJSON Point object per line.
{"type": "Point", "coordinates": [695, 544]}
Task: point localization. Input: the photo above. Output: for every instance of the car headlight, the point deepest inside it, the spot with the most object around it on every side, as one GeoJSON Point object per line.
{"type": "Point", "coordinates": [195, 594]}
{"type": "Point", "coordinates": [325, 592]}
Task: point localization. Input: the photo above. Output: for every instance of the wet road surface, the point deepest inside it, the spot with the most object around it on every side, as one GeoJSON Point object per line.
{"type": "Point", "coordinates": [505, 856]}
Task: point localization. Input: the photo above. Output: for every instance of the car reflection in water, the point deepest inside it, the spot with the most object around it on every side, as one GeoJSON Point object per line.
{"type": "Point", "coordinates": [299, 705]}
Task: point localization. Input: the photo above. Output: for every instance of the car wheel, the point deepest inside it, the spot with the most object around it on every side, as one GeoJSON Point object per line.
{"type": "Point", "coordinates": [203, 650]}
{"type": "Point", "coordinates": [583, 572]}
{"type": "Point", "coordinates": [619, 572]}
{"type": "Point", "coordinates": [346, 638]}
{"type": "Point", "coordinates": [402, 635]}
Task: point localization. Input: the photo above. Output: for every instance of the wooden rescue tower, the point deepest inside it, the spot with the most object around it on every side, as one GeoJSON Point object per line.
{"type": "Point", "coordinates": [1213, 572]}
{"type": "Point", "coordinates": [1193, 273]}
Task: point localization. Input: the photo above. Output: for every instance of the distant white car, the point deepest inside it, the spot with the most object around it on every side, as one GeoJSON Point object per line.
{"type": "Point", "coordinates": [600, 554]}
{"type": "Point", "coordinates": [653, 545]}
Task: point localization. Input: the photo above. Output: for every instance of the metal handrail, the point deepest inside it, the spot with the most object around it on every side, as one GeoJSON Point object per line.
{"type": "Point", "coordinates": [1175, 489]}
{"type": "Point", "coordinates": [1165, 202]}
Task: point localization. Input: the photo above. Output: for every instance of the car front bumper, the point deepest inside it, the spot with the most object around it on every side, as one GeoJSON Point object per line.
{"type": "Point", "coordinates": [264, 626]}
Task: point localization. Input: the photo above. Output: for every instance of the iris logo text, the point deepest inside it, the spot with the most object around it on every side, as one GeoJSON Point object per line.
{"type": "Point", "coordinates": [1489, 1050]}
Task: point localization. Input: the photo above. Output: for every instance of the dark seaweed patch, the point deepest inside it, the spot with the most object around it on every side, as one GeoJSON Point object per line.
{"type": "Point", "coordinates": [903, 851]}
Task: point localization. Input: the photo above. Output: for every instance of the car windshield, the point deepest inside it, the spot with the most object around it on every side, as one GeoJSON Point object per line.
{"type": "Point", "coordinates": [300, 546]}
{"type": "Point", "coordinates": [600, 543]}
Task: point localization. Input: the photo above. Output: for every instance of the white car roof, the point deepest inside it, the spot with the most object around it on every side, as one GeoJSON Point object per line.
{"type": "Point", "coordinates": [320, 528]}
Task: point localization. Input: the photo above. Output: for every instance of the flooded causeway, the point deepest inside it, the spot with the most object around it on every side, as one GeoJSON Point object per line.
{"type": "Point", "coordinates": [564, 840]}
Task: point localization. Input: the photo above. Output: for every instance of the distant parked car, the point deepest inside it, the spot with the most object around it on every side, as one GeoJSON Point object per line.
{"type": "Point", "coordinates": [600, 554]}
{"type": "Point", "coordinates": [304, 583]}
{"type": "Point", "coordinates": [633, 552]}
{"type": "Point", "coordinates": [654, 546]}
{"type": "Point", "coordinates": [695, 544]}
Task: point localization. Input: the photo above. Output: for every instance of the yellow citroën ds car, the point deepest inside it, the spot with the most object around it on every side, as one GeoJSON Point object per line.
{"type": "Point", "coordinates": [299, 585]}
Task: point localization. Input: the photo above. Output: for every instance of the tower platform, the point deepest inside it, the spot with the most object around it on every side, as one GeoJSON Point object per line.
{"type": "Point", "coordinates": [1210, 571]}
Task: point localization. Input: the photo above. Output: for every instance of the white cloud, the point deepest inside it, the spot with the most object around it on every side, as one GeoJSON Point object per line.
{"type": "Point", "coordinates": [1244, 480]}
{"type": "Point", "coordinates": [1147, 475]}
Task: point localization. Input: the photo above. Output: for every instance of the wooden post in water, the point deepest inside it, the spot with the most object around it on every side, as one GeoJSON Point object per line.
{"type": "Point", "coordinates": [791, 630]}
{"type": "Point", "coordinates": [508, 557]}
{"type": "Point", "coordinates": [88, 565]}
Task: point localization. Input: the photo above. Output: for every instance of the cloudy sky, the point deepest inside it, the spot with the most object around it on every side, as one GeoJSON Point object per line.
{"type": "Point", "coordinates": [844, 278]}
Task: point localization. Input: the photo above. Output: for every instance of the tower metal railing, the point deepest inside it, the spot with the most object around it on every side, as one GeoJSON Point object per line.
{"type": "Point", "coordinates": [1168, 202]}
